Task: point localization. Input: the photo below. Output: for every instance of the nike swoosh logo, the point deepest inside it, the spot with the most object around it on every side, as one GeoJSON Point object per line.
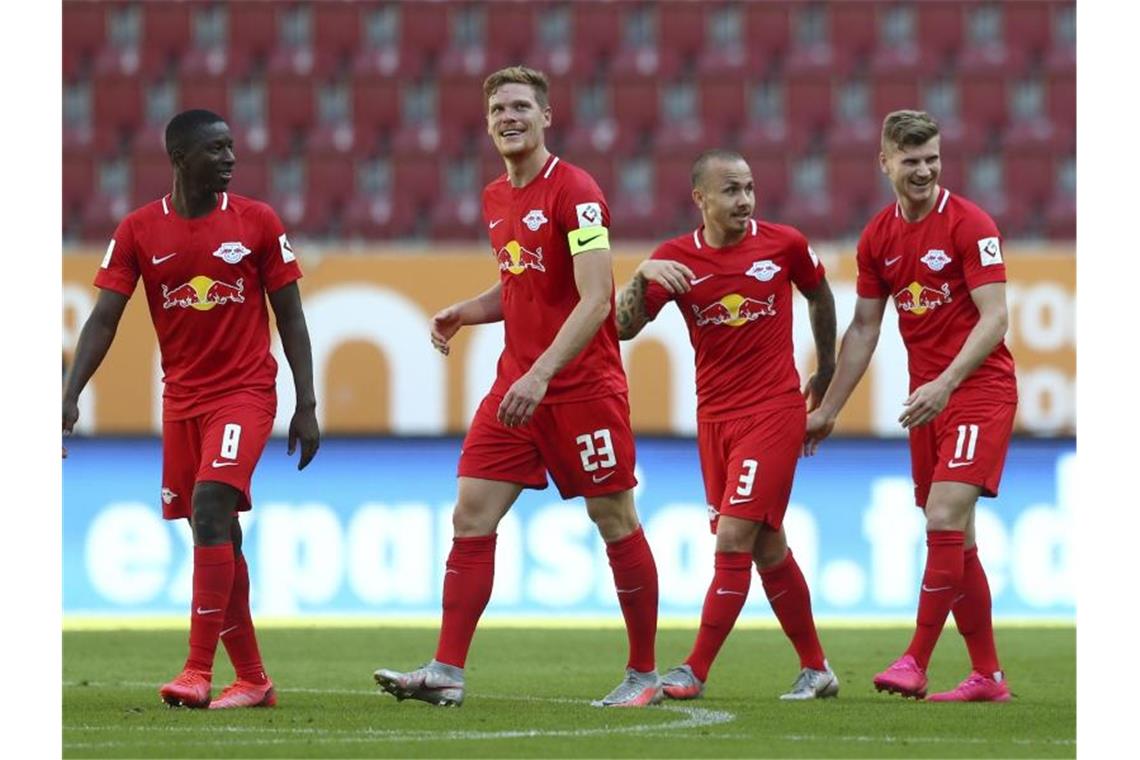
{"type": "Point", "coordinates": [589, 239]}
{"type": "Point", "coordinates": [494, 224]}
{"type": "Point", "coordinates": [777, 596]}
{"type": "Point", "coordinates": [201, 611]}
{"type": "Point", "coordinates": [628, 590]}
{"type": "Point", "coordinates": [699, 280]}
{"type": "Point", "coordinates": [227, 630]}
{"type": "Point", "coordinates": [726, 591]}
{"type": "Point", "coordinates": [598, 479]}
{"type": "Point", "coordinates": [449, 570]}
{"type": "Point", "coordinates": [156, 261]}
{"type": "Point", "coordinates": [735, 500]}
{"type": "Point", "coordinates": [955, 465]}
{"type": "Point", "coordinates": [217, 464]}
{"type": "Point", "coordinates": [929, 590]}
{"type": "Point", "coordinates": [888, 262]}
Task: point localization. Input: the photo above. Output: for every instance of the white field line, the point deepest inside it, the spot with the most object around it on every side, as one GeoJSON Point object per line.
{"type": "Point", "coordinates": [695, 717]}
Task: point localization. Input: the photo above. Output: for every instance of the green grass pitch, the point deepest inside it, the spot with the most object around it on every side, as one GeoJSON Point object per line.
{"type": "Point", "coordinates": [529, 693]}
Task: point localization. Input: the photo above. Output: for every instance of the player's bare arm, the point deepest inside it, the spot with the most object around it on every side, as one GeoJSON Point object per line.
{"type": "Point", "coordinates": [929, 399]}
{"type": "Point", "coordinates": [593, 275]}
{"type": "Point", "coordinates": [631, 313]}
{"type": "Point", "coordinates": [94, 341]}
{"type": "Point", "coordinates": [483, 308]}
{"type": "Point", "coordinates": [854, 357]}
{"type": "Point", "coordinates": [303, 428]}
{"type": "Point", "coordinates": [821, 314]}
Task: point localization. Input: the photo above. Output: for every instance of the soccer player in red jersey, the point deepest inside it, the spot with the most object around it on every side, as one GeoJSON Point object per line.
{"type": "Point", "coordinates": [207, 259]}
{"type": "Point", "coordinates": [939, 257]}
{"type": "Point", "coordinates": [559, 402]}
{"type": "Point", "coordinates": [732, 280]}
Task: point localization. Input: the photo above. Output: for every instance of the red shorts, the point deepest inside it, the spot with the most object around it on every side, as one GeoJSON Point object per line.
{"type": "Point", "coordinates": [587, 446]}
{"type": "Point", "coordinates": [966, 443]}
{"type": "Point", "coordinates": [221, 445]}
{"type": "Point", "coordinates": [748, 464]}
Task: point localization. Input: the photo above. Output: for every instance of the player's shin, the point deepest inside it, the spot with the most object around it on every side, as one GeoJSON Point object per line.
{"type": "Point", "coordinates": [467, 583]}
{"type": "Point", "coordinates": [635, 577]}
{"type": "Point", "coordinates": [237, 633]}
{"type": "Point", "coordinates": [213, 581]}
{"type": "Point", "coordinates": [973, 615]}
{"type": "Point", "coordinates": [788, 593]}
{"type": "Point", "coordinates": [726, 596]}
{"type": "Point", "coordinates": [941, 583]}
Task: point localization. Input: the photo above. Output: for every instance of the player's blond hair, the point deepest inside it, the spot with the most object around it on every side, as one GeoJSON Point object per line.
{"type": "Point", "coordinates": [518, 75]}
{"type": "Point", "coordinates": [907, 128]}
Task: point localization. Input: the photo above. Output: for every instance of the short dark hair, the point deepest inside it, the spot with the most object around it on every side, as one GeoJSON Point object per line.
{"type": "Point", "coordinates": [713, 154]}
{"type": "Point", "coordinates": [907, 128]}
{"type": "Point", "coordinates": [181, 129]}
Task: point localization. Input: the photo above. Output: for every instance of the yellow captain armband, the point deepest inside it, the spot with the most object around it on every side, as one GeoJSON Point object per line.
{"type": "Point", "coordinates": [589, 239]}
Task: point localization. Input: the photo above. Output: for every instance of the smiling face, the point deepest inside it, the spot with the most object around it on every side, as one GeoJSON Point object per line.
{"type": "Point", "coordinates": [726, 196]}
{"type": "Point", "coordinates": [515, 120]}
{"type": "Point", "coordinates": [913, 170]}
{"type": "Point", "coordinates": [207, 161]}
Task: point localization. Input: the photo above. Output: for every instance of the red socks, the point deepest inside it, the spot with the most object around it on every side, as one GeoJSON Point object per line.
{"type": "Point", "coordinates": [787, 592]}
{"type": "Point", "coordinates": [725, 598]}
{"type": "Point", "coordinates": [213, 579]}
{"type": "Point", "coordinates": [467, 583]}
{"type": "Point", "coordinates": [941, 585]}
{"type": "Point", "coordinates": [635, 576]}
{"type": "Point", "coordinates": [972, 614]}
{"type": "Point", "coordinates": [237, 632]}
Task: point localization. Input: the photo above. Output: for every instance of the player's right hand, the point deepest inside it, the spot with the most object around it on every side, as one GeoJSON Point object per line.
{"type": "Point", "coordinates": [819, 426]}
{"type": "Point", "coordinates": [444, 325]}
{"type": "Point", "coordinates": [674, 276]}
{"type": "Point", "coordinates": [70, 416]}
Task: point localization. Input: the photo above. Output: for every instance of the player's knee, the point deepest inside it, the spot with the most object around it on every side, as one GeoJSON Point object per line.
{"type": "Point", "coordinates": [733, 535]}
{"type": "Point", "coordinates": [212, 513]}
{"type": "Point", "coordinates": [470, 519]}
{"type": "Point", "coordinates": [615, 517]}
{"type": "Point", "coordinates": [770, 549]}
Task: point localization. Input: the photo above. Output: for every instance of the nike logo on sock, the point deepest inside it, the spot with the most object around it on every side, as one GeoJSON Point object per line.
{"type": "Point", "coordinates": [227, 630]}
{"type": "Point", "coordinates": [777, 596]}
{"type": "Point", "coordinates": [725, 591]}
{"type": "Point", "coordinates": [929, 590]}
{"type": "Point", "coordinates": [201, 611]}
{"type": "Point", "coordinates": [629, 590]}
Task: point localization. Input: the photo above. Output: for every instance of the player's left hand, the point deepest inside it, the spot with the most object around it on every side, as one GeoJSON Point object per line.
{"type": "Point", "coordinates": [303, 427]}
{"type": "Point", "coordinates": [926, 403]}
{"type": "Point", "coordinates": [522, 399]}
{"type": "Point", "coordinates": [815, 388]}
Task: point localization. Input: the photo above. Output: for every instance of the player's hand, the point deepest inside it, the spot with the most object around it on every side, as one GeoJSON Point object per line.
{"type": "Point", "coordinates": [70, 416]}
{"type": "Point", "coordinates": [521, 400]}
{"type": "Point", "coordinates": [671, 275]}
{"type": "Point", "coordinates": [303, 427]}
{"type": "Point", "coordinates": [815, 388]}
{"type": "Point", "coordinates": [444, 325]}
{"type": "Point", "coordinates": [926, 403]}
{"type": "Point", "coordinates": [819, 426]}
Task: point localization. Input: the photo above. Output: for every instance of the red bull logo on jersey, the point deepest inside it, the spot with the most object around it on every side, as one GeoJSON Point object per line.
{"type": "Point", "coordinates": [202, 293]}
{"type": "Point", "coordinates": [918, 299]}
{"type": "Point", "coordinates": [516, 259]}
{"type": "Point", "coordinates": [734, 310]}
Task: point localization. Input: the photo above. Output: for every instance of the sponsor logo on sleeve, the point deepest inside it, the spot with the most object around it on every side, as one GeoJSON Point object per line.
{"type": "Point", "coordinates": [534, 219]}
{"type": "Point", "coordinates": [589, 214]}
{"type": "Point", "coordinates": [936, 259]}
{"type": "Point", "coordinates": [990, 249]}
{"type": "Point", "coordinates": [232, 253]}
{"type": "Point", "coordinates": [287, 254]}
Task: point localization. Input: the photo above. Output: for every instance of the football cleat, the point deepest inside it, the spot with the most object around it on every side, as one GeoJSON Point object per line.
{"type": "Point", "coordinates": [245, 694]}
{"type": "Point", "coordinates": [903, 677]}
{"type": "Point", "coordinates": [814, 684]}
{"type": "Point", "coordinates": [191, 688]}
{"type": "Point", "coordinates": [682, 683]}
{"type": "Point", "coordinates": [636, 690]}
{"type": "Point", "coordinates": [435, 683]}
{"type": "Point", "coordinates": [976, 688]}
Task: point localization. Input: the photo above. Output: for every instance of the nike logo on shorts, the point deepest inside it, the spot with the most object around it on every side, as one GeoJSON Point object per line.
{"type": "Point", "coordinates": [215, 464]}
{"type": "Point", "coordinates": [735, 500]}
{"type": "Point", "coordinates": [602, 478]}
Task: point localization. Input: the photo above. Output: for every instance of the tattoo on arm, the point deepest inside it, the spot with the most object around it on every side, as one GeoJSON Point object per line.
{"type": "Point", "coordinates": [631, 315]}
{"type": "Point", "coordinates": [821, 310]}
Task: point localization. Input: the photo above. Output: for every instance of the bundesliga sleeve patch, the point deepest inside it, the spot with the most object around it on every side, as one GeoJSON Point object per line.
{"type": "Point", "coordinates": [286, 249]}
{"type": "Point", "coordinates": [990, 249]}
{"type": "Point", "coordinates": [107, 257]}
{"type": "Point", "coordinates": [589, 239]}
{"type": "Point", "coordinates": [589, 214]}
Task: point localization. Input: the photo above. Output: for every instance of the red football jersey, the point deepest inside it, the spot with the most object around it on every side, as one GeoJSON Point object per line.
{"type": "Point", "coordinates": [739, 315]}
{"type": "Point", "coordinates": [205, 281]}
{"type": "Point", "coordinates": [929, 268]}
{"type": "Point", "coordinates": [535, 232]}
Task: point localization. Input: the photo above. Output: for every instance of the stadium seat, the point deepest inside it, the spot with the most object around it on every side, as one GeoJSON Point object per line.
{"type": "Point", "coordinates": [416, 177]}
{"type": "Point", "coordinates": [336, 36]}
{"type": "Point", "coordinates": [770, 177]}
{"type": "Point", "coordinates": [983, 101]}
{"type": "Point", "coordinates": [939, 35]}
{"type": "Point", "coordinates": [165, 36]}
{"type": "Point", "coordinates": [78, 185]}
{"type": "Point", "coordinates": [400, 39]}
{"type": "Point", "coordinates": [1061, 99]}
{"type": "Point", "coordinates": [199, 91]}
{"type": "Point", "coordinates": [1061, 218]}
{"type": "Point", "coordinates": [117, 111]}
{"type": "Point", "coordinates": [252, 36]}
{"type": "Point", "coordinates": [595, 34]}
{"type": "Point", "coordinates": [893, 91]}
{"type": "Point", "coordinates": [510, 33]}
{"type": "Point", "coordinates": [460, 109]}
{"type": "Point", "coordinates": [1029, 174]}
{"type": "Point", "coordinates": [119, 55]}
{"type": "Point", "coordinates": [291, 110]}
{"type": "Point", "coordinates": [635, 106]}
{"type": "Point", "coordinates": [375, 110]}
{"type": "Point", "coordinates": [84, 30]}
{"type": "Point", "coordinates": [1027, 28]}
{"type": "Point", "coordinates": [723, 104]}
{"type": "Point", "coordinates": [251, 175]}
{"type": "Point", "coordinates": [808, 98]}
{"type": "Point", "coordinates": [151, 177]}
{"type": "Point", "coordinates": [852, 34]}
{"type": "Point", "coordinates": [768, 35]}
{"type": "Point", "coordinates": [680, 35]}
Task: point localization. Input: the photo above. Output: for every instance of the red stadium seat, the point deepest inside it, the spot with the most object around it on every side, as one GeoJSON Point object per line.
{"type": "Point", "coordinates": [768, 35]}
{"type": "Point", "coordinates": [252, 36]}
{"type": "Point", "coordinates": [1061, 99]}
{"type": "Point", "coordinates": [461, 109]}
{"type": "Point", "coordinates": [770, 177]}
{"type": "Point", "coordinates": [84, 30]}
{"type": "Point", "coordinates": [117, 110]}
{"type": "Point", "coordinates": [852, 32]}
{"type": "Point", "coordinates": [1029, 175]}
{"type": "Point", "coordinates": [336, 36]}
{"type": "Point", "coordinates": [1027, 27]}
{"type": "Point", "coordinates": [892, 92]}
{"type": "Point", "coordinates": [78, 184]}
{"type": "Point", "coordinates": [416, 178]}
{"type": "Point", "coordinates": [152, 177]}
{"type": "Point", "coordinates": [165, 36]}
{"type": "Point", "coordinates": [635, 103]}
{"type": "Point", "coordinates": [251, 174]}
{"type": "Point", "coordinates": [983, 101]}
{"type": "Point", "coordinates": [680, 35]}
{"type": "Point", "coordinates": [291, 110]}
{"type": "Point", "coordinates": [808, 101]}
{"type": "Point", "coordinates": [198, 91]}
{"type": "Point", "coordinates": [400, 39]}
{"type": "Point", "coordinates": [1061, 218]}
{"type": "Point", "coordinates": [939, 34]}
{"type": "Point", "coordinates": [511, 32]}
{"type": "Point", "coordinates": [375, 110]}
{"type": "Point", "coordinates": [723, 104]}
{"type": "Point", "coordinates": [595, 35]}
